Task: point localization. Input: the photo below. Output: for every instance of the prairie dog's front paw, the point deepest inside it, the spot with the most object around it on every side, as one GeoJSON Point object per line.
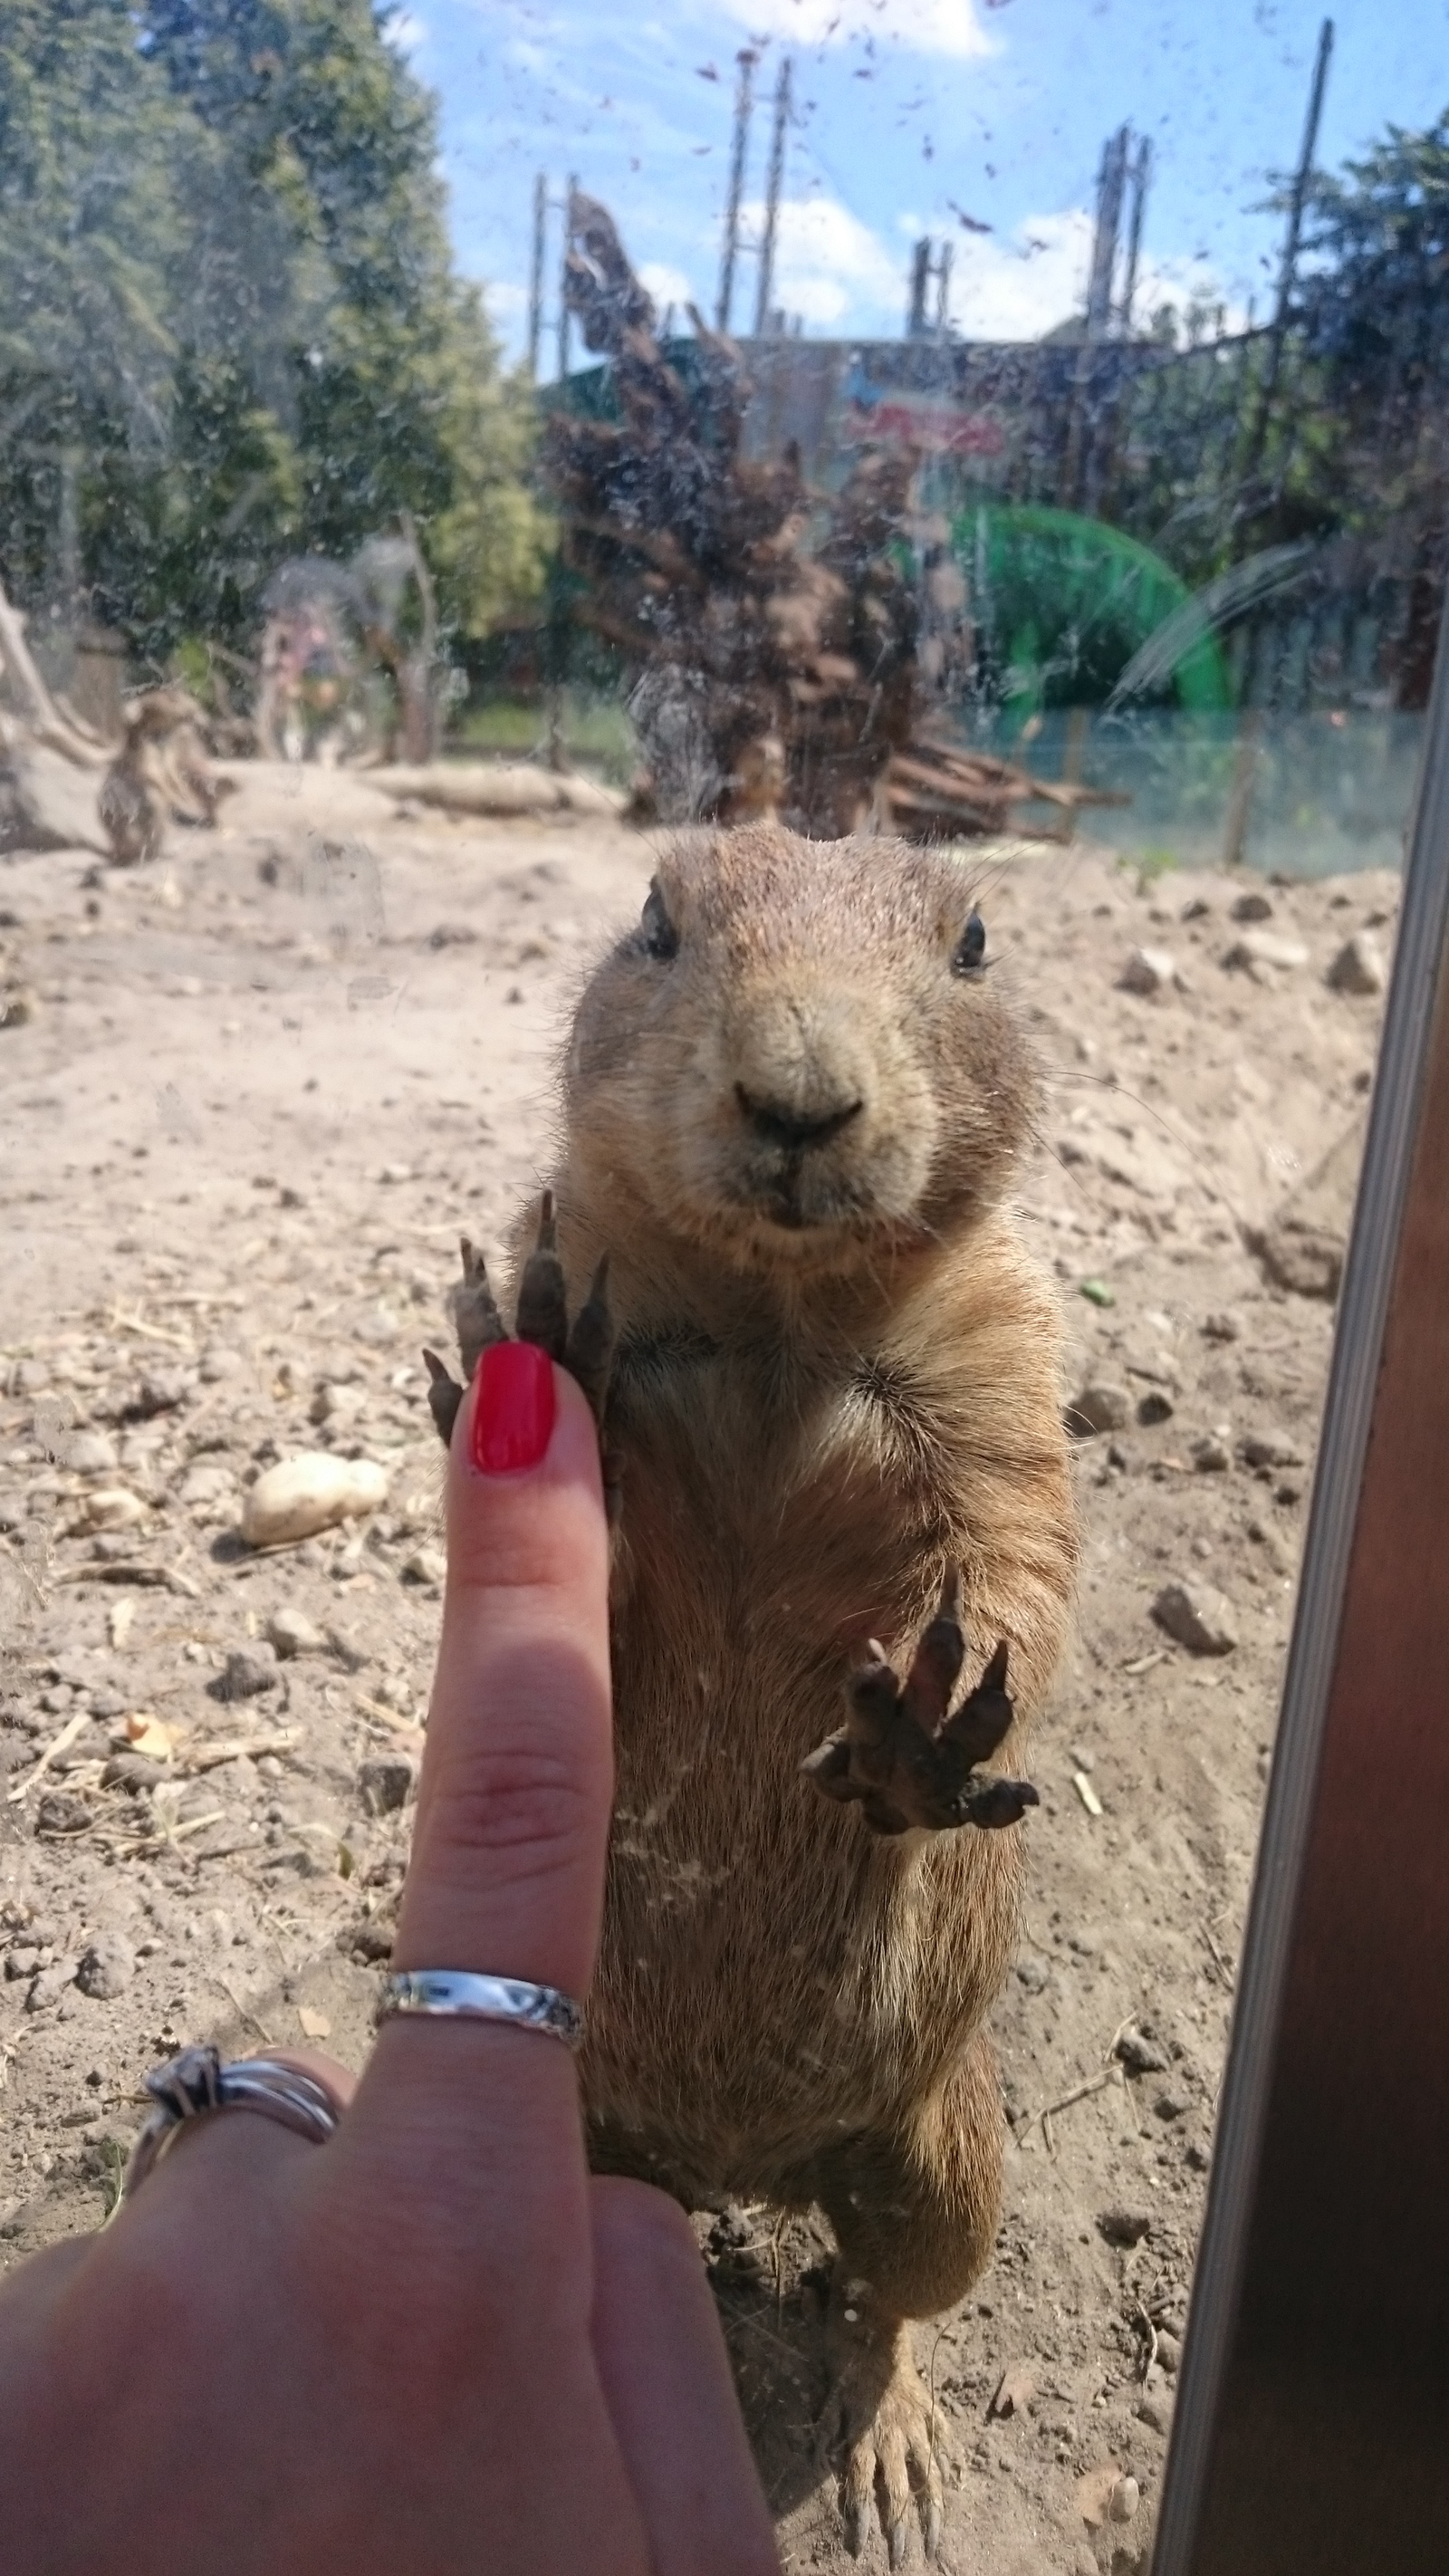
{"type": "Point", "coordinates": [902, 1759]}
{"type": "Point", "coordinates": [585, 1348]}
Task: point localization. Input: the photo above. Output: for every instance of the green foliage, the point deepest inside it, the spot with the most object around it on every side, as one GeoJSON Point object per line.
{"type": "Point", "coordinates": [229, 327]}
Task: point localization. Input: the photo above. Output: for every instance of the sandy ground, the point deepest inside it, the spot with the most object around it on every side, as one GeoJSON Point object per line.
{"type": "Point", "coordinates": [249, 1098]}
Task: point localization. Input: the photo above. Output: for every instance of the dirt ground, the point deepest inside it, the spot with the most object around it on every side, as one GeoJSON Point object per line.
{"type": "Point", "coordinates": [250, 1096]}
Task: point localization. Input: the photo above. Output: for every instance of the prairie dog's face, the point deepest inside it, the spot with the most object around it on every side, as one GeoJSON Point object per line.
{"type": "Point", "coordinates": [799, 1056]}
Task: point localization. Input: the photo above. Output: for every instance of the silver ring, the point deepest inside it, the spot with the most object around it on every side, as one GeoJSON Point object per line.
{"type": "Point", "coordinates": [195, 2083]}
{"type": "Point", "coordinates": [453, 1994]}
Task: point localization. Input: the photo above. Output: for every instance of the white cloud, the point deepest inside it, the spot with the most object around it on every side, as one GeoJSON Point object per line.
{"type": "Point", "coordinates": [505, 303]}
{"type": "Point", "coordinates": [830, 267]}
{"type": "Point", "coordinates": [918, 26]}
{"type": "Point", "coordinates": [1019, 288]}
{"type": "Point", "coordinates": [667, 286]}
{"type": "Point", "coordinates": [407, 31]}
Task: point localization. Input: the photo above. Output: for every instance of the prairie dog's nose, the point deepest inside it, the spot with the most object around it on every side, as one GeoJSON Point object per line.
{"type": "Point", "coordinates": [787, 1123]}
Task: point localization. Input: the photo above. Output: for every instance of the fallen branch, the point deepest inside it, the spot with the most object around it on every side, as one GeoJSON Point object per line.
{"type": "Point", "coordinates": [38, 707]}
{"type": "Point", "coordinates": [57, 1745]}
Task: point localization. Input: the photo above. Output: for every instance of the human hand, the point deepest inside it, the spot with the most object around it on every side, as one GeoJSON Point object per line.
{"type": "Point", "coordinates": [435, 2343]}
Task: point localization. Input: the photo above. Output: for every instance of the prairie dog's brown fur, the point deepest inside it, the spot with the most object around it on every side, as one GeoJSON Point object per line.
{"type": "Point", "coordinates": [794, 1110]}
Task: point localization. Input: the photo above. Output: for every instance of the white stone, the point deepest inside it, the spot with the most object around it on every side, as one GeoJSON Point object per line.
{"type": "Point", "coordinates": [309, 1493]}
{"type": "Point", "coordinates": [1258, 948]}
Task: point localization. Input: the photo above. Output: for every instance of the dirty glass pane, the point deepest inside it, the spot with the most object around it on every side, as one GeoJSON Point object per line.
{"type": "Point", "coordinates": [443, 456]}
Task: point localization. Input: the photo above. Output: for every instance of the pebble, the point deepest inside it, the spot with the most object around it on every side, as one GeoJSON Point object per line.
{"type": "Point", "coordinates": [1210, 1455]}
{"type": "Point", "coordinates": [425, 1565]}
{"type": "Point", "coordinates": [162, 1390]}
{"type": "Point", "coordinates": [1359, 967]}
{"type": "Point", "coordinates": [1259, 948]}
{"type": "Point", "coordinates": [1156, 2410]}
{"type": "Point", "coordinates": [1222, 1326]}
{"type": "Point", "coordinates": [107, 1967]}
{"type": "Point", "coordinates": [1101, 1406]}
{"type": "Point", "coordinates": [1140, 2055]}
{"type": "Point", "coordinates": [51, 1984]}
{"type": "Point", "coordinates": [217, 1362]}
{"type": "Point", "coordinates": [1266, 1448]}
{"type": "Point", "coordinates": [1196, 1617]}
{"type": "Point", "coordinates": [1149, 972]}
{"type": "Point", "coordinates": [387, 1781]}
{"type": "Point", "coordinates": [132, 1771]}
{"type": "Point", "coordinates": [338, 1404]}
{"type": "Point", "coordinates": [1124, 2226]}
{"type": "Point", "coordinates": [1155, 1407]}
{"type": "Point", "coordinates": [1169, 2350]}
{"type": "Point", "coordinates": [1171, 2106]}
{"type": "Point", "coordinates": [246, 1676]}
{"type": "Point", "coordinates": [1252, 907]}
{"type": "Point", "coordinates": [22, 1963]}
{"type": "Point", "coordinates": [111, 1507]}
{"type": "Point", "coordinates": [1126, 2497]}
{"type": "Point", "coordinates": [60, 1811]}
{"type": "Point", "coordinates": [202, 1486]}
{"type": "Point", "coordinates": [91, 1453]}
{"type": "Point", "coordinates": [291, 1632]}
{"type": "Point", "coordinates": [308, 1493]}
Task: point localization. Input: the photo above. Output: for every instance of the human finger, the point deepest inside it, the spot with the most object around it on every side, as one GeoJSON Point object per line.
{"type": "Point", "coordinates": [506, 1874]}
{"type": "Point", "coordinates": [667, 2384]}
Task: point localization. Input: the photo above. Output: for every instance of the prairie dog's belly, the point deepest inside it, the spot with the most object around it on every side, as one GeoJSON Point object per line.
{"type": "Point", "coordinates": [770, 1972]}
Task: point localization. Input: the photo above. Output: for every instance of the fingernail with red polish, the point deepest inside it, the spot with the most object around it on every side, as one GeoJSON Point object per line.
{"type": "Point", "coordinates": [514, 1408]}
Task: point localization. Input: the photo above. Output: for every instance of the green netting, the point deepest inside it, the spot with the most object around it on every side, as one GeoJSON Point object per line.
{"type": "Point", "coordinates": [1062, 604]}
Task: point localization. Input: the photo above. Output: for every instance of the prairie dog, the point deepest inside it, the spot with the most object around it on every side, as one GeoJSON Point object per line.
{"type": "Point", "coordinates": [795, 1102]}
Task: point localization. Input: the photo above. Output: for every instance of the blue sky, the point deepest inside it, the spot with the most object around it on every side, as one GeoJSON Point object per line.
{"type": "Point", "coordinates": [910, 113]}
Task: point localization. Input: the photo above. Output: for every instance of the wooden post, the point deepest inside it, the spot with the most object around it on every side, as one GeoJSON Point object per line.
{"type": "Point", "coordinates": [1240, 794]}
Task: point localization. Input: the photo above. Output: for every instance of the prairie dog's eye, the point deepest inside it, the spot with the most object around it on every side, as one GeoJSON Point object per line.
{"type": "Point", "coordinates": [970, 947]}
{"type": "Point", "coordinates": [660, 936]}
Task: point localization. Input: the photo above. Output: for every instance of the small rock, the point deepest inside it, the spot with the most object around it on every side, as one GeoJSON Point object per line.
{"type": "Point", "coordinates": [1259, 948]}
{"type": "Point", "coordinates": [90, 1453]}
{"type": "Point", "coordinates": [1171, 2106]}
{"type": "Point", "coordinates": [341, 1405]}
{"type": "Point", "coordinates": [1100, 1407]}
{"type": "Point", "coordinates": [60, 1811]}
{"type": "Point", "coordinates": [22, 1963]}
{"type": "Point", "coordinates": [1271, 1449]}
{"type": "Point", "coordinates": [1252, 907]}
{"type": "Point", "coordinates": [1155, 1406]}
{"type": "Point", "coordinates": [1359, 967]}
{"type": "Point", "coordinates": [1149, 972]}
{"type": "Point", "coordinates": [452, 934]}
{"type": "Point", "coordinates": [1169, 2350]}
{"type": "Point", "coordinates": [51, 1984]}
{"type": "Point", "coordinates": [1222, 1326]}
{"type": "Point", "coordinates": [1156, 2410]}
{"type": "Point", "coordinates": [107, 1967]}
{"type": "Point", "coordinates": [111, 1507]}
{"type": "Point", "coordinates": [1197, 1617]}
{"type": "Point", "coordinates": [387, 1781]}
{"type": "Point", "coordinates": [218, 1362]}
{"type": "Point", "coordinates": [163, 1389]}
{"type": "Point", "coordinates": [291, 1632]}
{"type": "Point", "coordinates": [308, 1493]}
{"type": "Point", "coordinates": [1125, 2499]}
{"type": "Point", "coordinates": [1014, 2390]}
{"type": "Point", "coordinates": [1141, 2056]}
{"type": "Point", "coordinates": [1210, 1455]}
{"type": "Point", "coordinates": [246, 1676]}
{"type": "Point", "coordinates": [425, 1565]}
{"type": "Point", "coordinates": [1124, 2226]}
{"type": "Point", "coordinates": [133, 1772]}
{"type": "Point", "coordinates": [1033, 1973]}
{"type": "Point", "coordinates": [202, 1487]}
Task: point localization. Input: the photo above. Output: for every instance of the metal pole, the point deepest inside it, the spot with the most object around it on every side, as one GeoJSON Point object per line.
{"type": "Point", "coordinates": [920, 274]}
{"type": "Point", "coordinates": [1258, 434]}
{"type": "Point", "coordinates": [563, 279]}
{"type": "Point", "coordinates": [766, 283]}
{"type": "Point", "coordinates": [943, 288]}
{"type": "Point", "coordinates": [747, 60]}
{"type": "Point", "coordinates": [1110, 182]}
{"type": "Point", "coordinates": [535, 276]}
{"type": "Point", "coordinates": [1141, 175]}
